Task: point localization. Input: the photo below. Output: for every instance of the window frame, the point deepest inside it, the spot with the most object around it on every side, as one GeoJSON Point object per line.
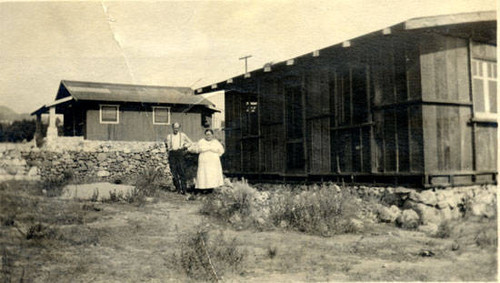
{"type": "Point", "coordinates": [483, 65]}
{"type": "Point", "coordinates": [117, 113]}
{"type": "Point", "coordinates": [168, 115]}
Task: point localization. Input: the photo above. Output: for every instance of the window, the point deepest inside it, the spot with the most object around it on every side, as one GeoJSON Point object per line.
{"type": "Point", "coordinates": [249, 115]}
{"type": "Point", "coordinates": [484, 88]}
{"type": "Point", "coordinates": [109, 114]}
{"type": "Point", "coordinates": [161, 115]}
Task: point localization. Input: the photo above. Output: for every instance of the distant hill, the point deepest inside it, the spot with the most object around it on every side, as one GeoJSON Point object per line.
{"type": "Point", "coordinates": [8, 115]}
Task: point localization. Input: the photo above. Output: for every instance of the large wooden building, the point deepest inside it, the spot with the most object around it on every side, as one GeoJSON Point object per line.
{"type": "Point", "coordinates": [414, 103]}
{"type": "Point", "coordinates": [122, 112]}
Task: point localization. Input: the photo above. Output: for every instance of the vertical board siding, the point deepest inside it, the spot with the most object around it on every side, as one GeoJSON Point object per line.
{"type": "Point", "coordinates": [317, 130]}
{"type": "Point", "coordinates": [487, 144]}
{"type": "Point", "coordinates": [445, 77]}
{"type": "Point", "coordinates": [416, 138]}
{"type": "Point", "coordinates": [136, 124]}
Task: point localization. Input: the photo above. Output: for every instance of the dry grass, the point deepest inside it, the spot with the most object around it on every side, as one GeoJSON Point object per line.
{"type": "Point", "coordinates": [317, 210]}
{"type": "Point", "coordinates": [117, 242]}
{"type": "Point", "coordinates": [205, 259]}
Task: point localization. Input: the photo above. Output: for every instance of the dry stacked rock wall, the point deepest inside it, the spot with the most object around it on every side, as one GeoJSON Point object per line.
{"type": "Point", "coordinates": [87, 162]}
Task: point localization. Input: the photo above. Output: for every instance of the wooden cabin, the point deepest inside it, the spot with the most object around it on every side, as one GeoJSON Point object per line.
{"type": "Point", "coordinates": [121, 112]}
{"type": "Point", "coordinates": [414, 103]}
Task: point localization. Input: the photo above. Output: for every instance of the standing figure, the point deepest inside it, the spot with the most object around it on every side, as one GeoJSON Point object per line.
{"type": "Point", "coordinates": [176, 143]}
{"type": "Point", "coordinates": [209, 174]}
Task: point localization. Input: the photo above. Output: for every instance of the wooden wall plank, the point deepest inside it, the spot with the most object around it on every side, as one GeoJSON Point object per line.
{"type": "Point", "coordinates": [462, 70]}
{"type": "Point", "coordinates": [487, 144]}
{"type": "Point", "coordinates": [430, 138]}
{"type": "Point", "coordinates": [466, 139]}
{"type": "Point", "coordinates": [428, 76]}
{"type": "Point", "coordinates": [451, 68]}
{"type": "Point", "coordinates": [440, 71]}
{"type": "Point", "coordinates": [455, 133]}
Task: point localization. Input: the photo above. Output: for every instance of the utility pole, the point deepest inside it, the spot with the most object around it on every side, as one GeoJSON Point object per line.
{"type": "Point", "coordinates": [246, 63]}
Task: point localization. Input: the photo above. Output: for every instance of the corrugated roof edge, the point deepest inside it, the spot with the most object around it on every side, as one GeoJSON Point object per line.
{"type": "Point", "coordinates": [399, 26]}
{"type": "Point", "coordinates": [65, 82]}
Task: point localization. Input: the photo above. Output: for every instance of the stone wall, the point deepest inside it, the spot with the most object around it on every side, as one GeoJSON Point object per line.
{"type": "Point", "coordinates": [429, 208]}
{"type": "Point", "coordinates": [85, 161]}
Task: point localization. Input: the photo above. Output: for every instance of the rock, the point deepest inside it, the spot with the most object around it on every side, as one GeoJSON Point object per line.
{"type": "Point", "coordinates": [430, 229]}
{"type": "Point", "coordinates": [235, 219]}
{"type": "Point", "coordinates": [427, 197]}
{"type": "Point", "coordinates": [388, 215]}
{"type": "Point", "coordinates": [408, 219]}
{"type": "Point", "coordinates": [260, 221]}
{"type": "Point", "coordinates": [482, 209]}
{"type": "Point", "coordinates": [34, 172]}
{"type": "Point", "coordinates": [101, 157]}
{"type": "Point", "coordinates": [484, 197]}
{"type": "Point", "coordinates": [356, 224]}
{"type": "Point", "coordinates": [11, 170]}
{"type": "Point", "coordinates": [402, 190]}
{"type": "Point", "coordinates": [427, 214]}
{"type": "Point", "coordinates": [103, 173]}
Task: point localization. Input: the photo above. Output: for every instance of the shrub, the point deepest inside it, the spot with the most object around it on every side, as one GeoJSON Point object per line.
{"type": "Point", "coordinates": [228, 202]}
{"type": "Point", "coordinates": [149, 182]}
{"type": "Point", "coordinates": [319, 210]}
{"type": "Point", "coordinates": [40, 231]}
{"type": "Point", "coordinates": [487, 237]}
{"type": "Point", "coordinates": [272, 251]}
{"type": "Point", "coordinates": [444, 230]}
{"type": "Point", "coordinates": [53, 185]}
{"type": "Point", "coordinates": [205, 260]}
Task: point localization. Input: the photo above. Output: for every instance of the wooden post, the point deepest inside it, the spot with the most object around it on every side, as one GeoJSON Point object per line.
{"type": "Point", "coordinates": [52, 129]}
{"type": "Point", "coordinates": [473, 138]}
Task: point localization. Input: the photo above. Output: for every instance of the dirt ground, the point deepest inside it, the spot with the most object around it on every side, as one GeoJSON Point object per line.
{"type": "Point", "coordinates": [83, 241]}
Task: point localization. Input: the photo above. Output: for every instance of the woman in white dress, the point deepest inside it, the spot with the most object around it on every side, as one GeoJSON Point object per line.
{"type": "Point", "coordinates": [209, 175]}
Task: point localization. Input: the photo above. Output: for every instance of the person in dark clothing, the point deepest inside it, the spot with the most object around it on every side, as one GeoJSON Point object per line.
{"type": "Point", "coordinates": [176, 143]}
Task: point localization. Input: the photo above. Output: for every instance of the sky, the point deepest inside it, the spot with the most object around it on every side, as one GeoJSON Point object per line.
{"type": "Point", "coordinates": [178, 43]}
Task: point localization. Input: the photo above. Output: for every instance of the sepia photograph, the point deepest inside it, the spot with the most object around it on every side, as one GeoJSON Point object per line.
{"type": "Point", "coordinates": [249, 141]}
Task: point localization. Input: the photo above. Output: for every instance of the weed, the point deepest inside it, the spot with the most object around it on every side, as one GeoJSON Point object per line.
{"type": "Point", "coordinates": [9, 219]}
{"type": "Point", "coordinates": [322, 211]}
{"type": "Point", "coordinates": [272, 251]}
{"type": "Point", "coordinates": [53, 185]}
{"type": "Point", "coordinates": [114, 196]}
{"type": "Point", "coordinates": [227, 202]}
{"type": "Point", "coordinates": [486, 237]}
{"type": "Point", "coordinates": [149, 182]}
{"type": "Point", "coordinates": [444, 230]}
{"type": "Point", "coordinates": [90, 207]}
{"type": "Point", "coordinates": [95, 196]}
{"type": "Point", "coordinates": [202, 259]}
{"type": "Point", "coordinates": [7, 265]}
{"type": "Point", "coordinates": [39, 231]}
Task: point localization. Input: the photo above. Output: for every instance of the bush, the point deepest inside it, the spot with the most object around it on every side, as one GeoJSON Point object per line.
{"type": "Point", "coordinates": [324, 210]}
{"type": "Point", "coordinates": [319, 210]}
{"type": "Point", "coordinates": [40, 231]}
{"type": "Point", "coordinates": [205, 260]}
{"type": "Point", "coordinates": [444, 230]}
{"type": "Point", "coordinates": [149, 182]}
{"type": "Point", "coordinates": [228, 202]}
{"type": "Point", "coordinates": [53, 185]}
{"type": "Point", "coordinates": [487, 237]}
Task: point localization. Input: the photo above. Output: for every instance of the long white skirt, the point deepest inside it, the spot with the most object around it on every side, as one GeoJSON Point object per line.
{"type": "Point", "coordinates": [209, 173]}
